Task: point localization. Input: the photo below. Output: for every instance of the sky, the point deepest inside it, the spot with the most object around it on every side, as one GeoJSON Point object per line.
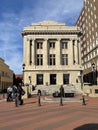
{"type": "Point", "coordinates": [17, 14]}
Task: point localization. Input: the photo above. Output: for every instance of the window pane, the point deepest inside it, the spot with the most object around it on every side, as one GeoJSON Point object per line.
{"type": "Point", "coordinates": [65, 78]}
{"type": "Point", "coordinates": [52, 59]}
{"type": "Point", "coordinates": [52, 45]}
{"type": "Point", "coordinates": [39, 79]}
{"type": "Point", "coordinates": [39, 45]}
{"type": "Point", "coordinates": [39, 59]}
{"type": "Point", "coordinates": [64, 59]}
{"type": "Point", "coordinates": [52, 79]}
{"type": "Point", "coordinates": [64, 45]}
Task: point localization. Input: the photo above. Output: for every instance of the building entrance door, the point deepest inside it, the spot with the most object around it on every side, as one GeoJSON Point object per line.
{"type": "Point", "coordinates": [52, 79]}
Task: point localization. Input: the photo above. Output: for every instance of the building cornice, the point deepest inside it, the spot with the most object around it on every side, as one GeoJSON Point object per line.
{"type": "Point", "coordinates": [50, 32]}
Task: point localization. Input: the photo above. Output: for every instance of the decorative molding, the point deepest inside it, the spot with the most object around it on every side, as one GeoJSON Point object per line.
{"type": "Point", "coordinates": [50, 32]}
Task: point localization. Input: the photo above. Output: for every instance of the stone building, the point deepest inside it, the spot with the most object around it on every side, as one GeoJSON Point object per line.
{"type": "Point", "coordinates": [6, 75]}
{"type": "Point", "coordinates": [88, 23]}
{"type": "Point", "coordinates": [51, 54]}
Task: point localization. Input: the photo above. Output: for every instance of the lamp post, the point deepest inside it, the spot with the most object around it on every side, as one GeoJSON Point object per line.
{"type": "Point", "coordinates": [94, 78]}
{"type": "Point", "coordinates": [81, 74]}
{"type": "Point", "coordinates": [23, 66]}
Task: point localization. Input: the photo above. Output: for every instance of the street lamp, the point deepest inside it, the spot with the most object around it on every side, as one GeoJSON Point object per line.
{"type": "Point", "coordinates": [94, 78]}
{"type": "Point", "coordinates": [81, 74]}
{"type": "Point", "coordinates": [23, 66]}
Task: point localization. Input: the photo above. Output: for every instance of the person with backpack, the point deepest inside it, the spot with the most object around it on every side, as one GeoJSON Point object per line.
{"type": "Point", "coordinates": [18, 92]}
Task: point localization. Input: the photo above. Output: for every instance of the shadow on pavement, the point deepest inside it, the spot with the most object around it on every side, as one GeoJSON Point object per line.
{"type": "Point", "coordinates": [87, 127]}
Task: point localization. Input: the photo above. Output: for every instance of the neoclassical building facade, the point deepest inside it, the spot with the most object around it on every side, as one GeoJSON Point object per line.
{"type": "Point", "coordinates": [51, 54]}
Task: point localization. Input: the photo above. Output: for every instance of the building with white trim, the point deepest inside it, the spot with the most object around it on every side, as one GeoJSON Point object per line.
{"type": "Point", "coordinates": [51, 54]}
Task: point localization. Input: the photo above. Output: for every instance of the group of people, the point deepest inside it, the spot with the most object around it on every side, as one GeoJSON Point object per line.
{"type": "Point", "coordinates": [15, 93]}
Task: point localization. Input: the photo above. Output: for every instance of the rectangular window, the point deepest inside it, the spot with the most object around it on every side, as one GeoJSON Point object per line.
{"type": "Point", "coordinates": [64, 45]}
{"type": "Point", "coordinates": [65, 78]}
{"type": "Point", "coordinates": [64, 59]}
{"type": "Point", "coordinates": [39, 79]}
{"type": "Point", "coordinates": [39, 59]}
{"type": "Point", "coordinates": [52, 59]}
{"type": "Point", "coordinates": [52, 79]}
{"type": "Point", "coordinates": [52, 45]}
{"type": "Point", "coordinates": [39, 45]}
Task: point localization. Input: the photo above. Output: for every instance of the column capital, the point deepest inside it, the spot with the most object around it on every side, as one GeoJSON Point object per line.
{"type": "Point", "coordinates": [58, 39]}
{"type": "Point", "coordinates": [28, 39]}
{"type": "Point", "coordinates": [45, 39]}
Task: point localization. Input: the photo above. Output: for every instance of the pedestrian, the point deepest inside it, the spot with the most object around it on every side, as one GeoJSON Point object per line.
{"type": "Point", "coordinates": [83, 100]}
{"type": "Point", "coordinates": [62, 93]}
{"type": "Point", "coordinates": [20, 94]}
{"type": "Point", "coordinates": [9, 94]}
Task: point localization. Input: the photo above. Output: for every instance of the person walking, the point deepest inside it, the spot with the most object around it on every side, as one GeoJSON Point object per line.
{"type": "Point", "coordinates": [9, 94]}
{"type": "Point", "coordinates": [61, 95]}
{"type": "Point", "coordinates": [18, 92]}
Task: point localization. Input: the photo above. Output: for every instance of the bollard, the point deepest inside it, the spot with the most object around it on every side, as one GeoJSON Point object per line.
{"type": "Point", "coordinates": [83, 101]}
{"type": "Point", "coordinates": [39, 103]}
{"type": "Point", "coordinates": [61, 101]}
{"type": "Point", "coordinates": [16, 100]}
{"type": "Point", "coordinates": [39, 94]}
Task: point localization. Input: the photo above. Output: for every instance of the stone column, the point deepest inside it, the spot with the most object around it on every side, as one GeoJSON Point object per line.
{"type": "Point", "coordinates": [45, 52]}
{"type": "Point", "coordinates": [70, 52]}
{"type": "Point", "coordinates": [27, 52]}
{"type": "Point", "coordinates": [78, 51]}
{"type": "Point", "coordinates": [58, 52]}
{"type": "Point", "coordinates": [75, 52]}
{"type": "Point", "coordinates": [33, 51]}
{"type": "Point", "coordinates": [73, 48]}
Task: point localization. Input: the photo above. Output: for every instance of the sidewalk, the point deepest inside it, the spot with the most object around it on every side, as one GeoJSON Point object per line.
{"type": "Point", "coordinates": [2, 97]}
{"type": "Point", "coordinates": [49, 116]}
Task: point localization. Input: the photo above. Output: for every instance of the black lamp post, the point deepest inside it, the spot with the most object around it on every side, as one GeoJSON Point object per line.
{"type": "Point", "coordinates": [23, 66]}
{"type": "Point", "coordinates": [94, 78]}
{"type": "Point", "coordinates": [81, 74]}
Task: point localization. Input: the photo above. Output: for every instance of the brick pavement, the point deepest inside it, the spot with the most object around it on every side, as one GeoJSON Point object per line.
{"type": "Point", "coordinates": [50, 116]}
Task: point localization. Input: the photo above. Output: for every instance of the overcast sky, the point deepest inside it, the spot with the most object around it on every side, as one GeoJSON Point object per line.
{"type": "Point", "coordinates": [16, 14]}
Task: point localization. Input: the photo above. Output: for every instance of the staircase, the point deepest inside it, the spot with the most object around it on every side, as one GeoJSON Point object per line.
{"type": "Point", "coordinates": [50, 89]}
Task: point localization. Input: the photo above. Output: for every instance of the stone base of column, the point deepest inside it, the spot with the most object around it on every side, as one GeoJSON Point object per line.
{"type": "Point", "coordinates": [25, 88]}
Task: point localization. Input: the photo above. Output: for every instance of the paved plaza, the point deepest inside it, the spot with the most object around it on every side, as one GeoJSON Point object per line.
{"type": "Point", "coordinates": [50, 115]}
